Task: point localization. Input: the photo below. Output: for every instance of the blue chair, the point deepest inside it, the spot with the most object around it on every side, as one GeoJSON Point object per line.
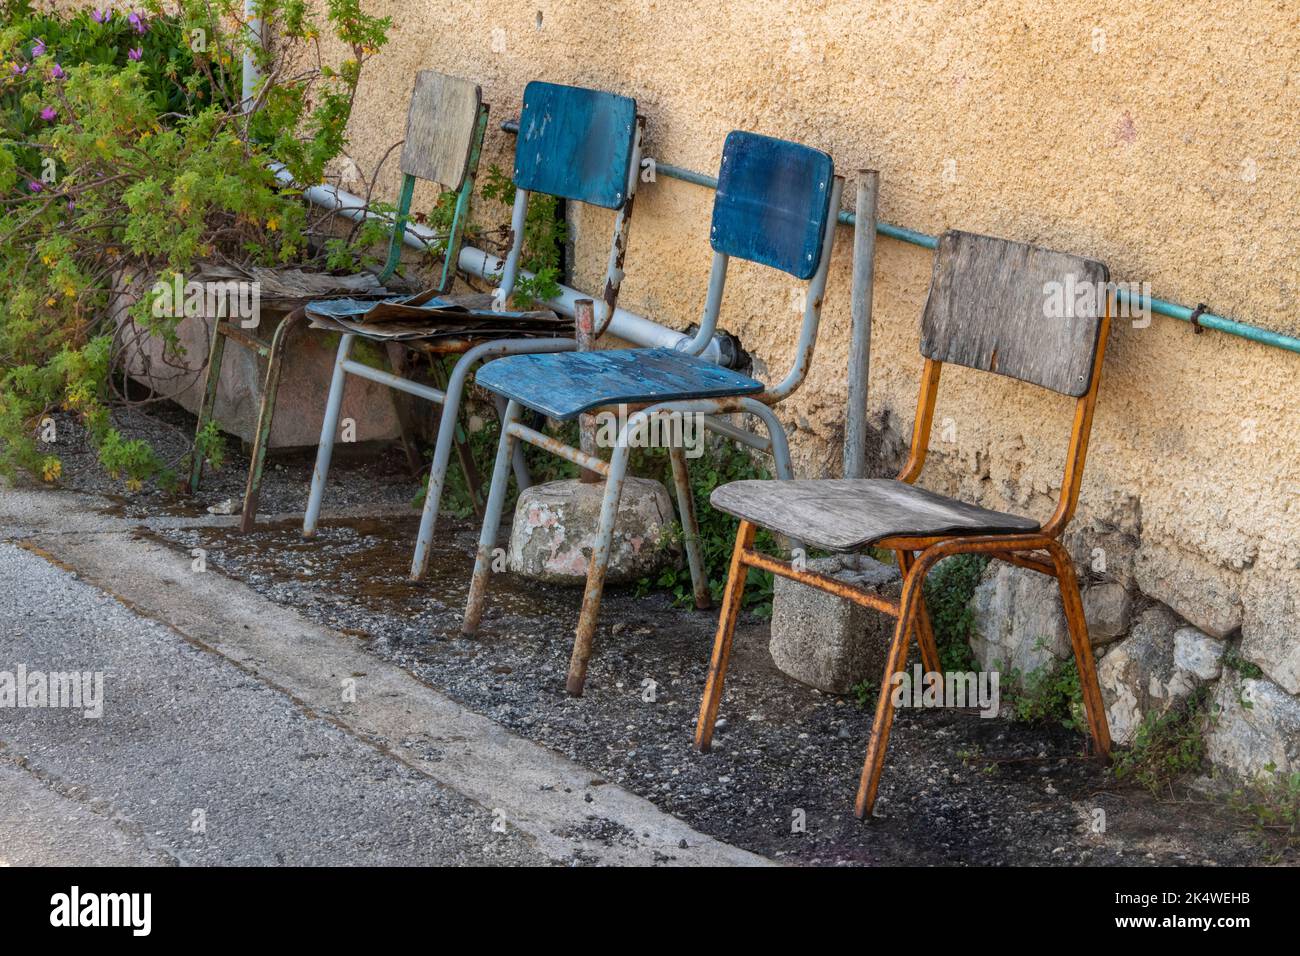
{"type": "Point", "coordinates": [574, 143]}
{"type": "Point", "coordinates": [776, 205]}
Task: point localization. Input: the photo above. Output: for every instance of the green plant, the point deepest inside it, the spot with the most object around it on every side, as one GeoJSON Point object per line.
{"type": "Point", "coordinates": [864, 692]}
{"type": "Point", "coordinates": [1274, 803]}
{"type": "Point", "coordinates": [544, 238]}
{"type": "Point", "coordinates": [1233, 660]}
{"type": "Point", "coordinates": [127, 154]}
{"type": "Point", "coordinates": [1047, 694]}
{"type": "Point", "coordinates": [1166, 746]}
{"type": "Point", "coordinates": [948, 592]}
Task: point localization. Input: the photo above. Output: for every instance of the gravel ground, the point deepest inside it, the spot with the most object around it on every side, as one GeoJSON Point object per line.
{"type": "Point", "coordinates": [957, 789]}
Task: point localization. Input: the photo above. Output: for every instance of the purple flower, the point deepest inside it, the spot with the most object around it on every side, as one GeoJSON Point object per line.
{"type": "Point", "coordinates": [38, 48]}
{"type": "Point", "coordinates": [56, 72]}
{"type": "Point", "coordinates": [72, 206]}
{"type": "Point", "coordinates": [102, 16]}
{"type": "Point", "coordinates": [20, 69]}
{"type": "Point", "coordinates": [49, 113]}
{"type": "Point", "coordinates": [34, 186]}
{"type": "Point", "coordinates": [137, 21]}
{"type": "Point", "coordinates": [134, 53]}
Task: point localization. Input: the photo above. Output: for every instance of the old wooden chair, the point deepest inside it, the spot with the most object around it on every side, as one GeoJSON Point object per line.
{"type": "Point", "coordinates": [575, 143]}
{"type": "Point", "coordinates": [776, 205]}
{"type": "Point", "coordinates": [985, 310]}
{"type": "Point", "coordinates": [445, 125]}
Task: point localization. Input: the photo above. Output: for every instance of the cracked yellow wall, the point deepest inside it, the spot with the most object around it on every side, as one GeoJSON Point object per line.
{"type": "Point", "coordinates": [1161, 140]}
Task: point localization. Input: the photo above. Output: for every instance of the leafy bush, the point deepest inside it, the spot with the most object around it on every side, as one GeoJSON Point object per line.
{"type": "Point", "coordinates": [948, 590]}
{"type": "Point", "coordinates": [1166, 746]}
{"type": "Point", "coordinates": [126, 152]}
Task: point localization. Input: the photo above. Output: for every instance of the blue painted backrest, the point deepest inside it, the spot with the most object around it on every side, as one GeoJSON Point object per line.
{"type": "Point", "coordinates": [575, 143]}
{"type": "Point", "coordinates": [773, 202]}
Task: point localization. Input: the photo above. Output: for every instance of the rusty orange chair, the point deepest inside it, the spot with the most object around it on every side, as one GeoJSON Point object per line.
{"type": "Point", "coordinates": [988, 309]}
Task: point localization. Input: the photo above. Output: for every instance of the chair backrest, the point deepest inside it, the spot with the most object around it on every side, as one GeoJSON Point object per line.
{"type": "Point", "coordinates": [440, 128]}
{"type": "Point", "coordinates": [576, 143]}
{"type": "Point", "coordinates": [1015, 309]}
{"type": "Point", "coordinates": [772, 203]}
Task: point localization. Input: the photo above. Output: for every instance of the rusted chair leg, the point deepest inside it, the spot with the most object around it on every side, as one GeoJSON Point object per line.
{"type": "Point", "coordinates": [690, 527]}
{"type": "Point", "coordinates": [596, 568]}
{"type": "Point", "coordinates": [909, 606]}
{"type": "Point", "coordinates": [211, 380]}
{"type": "Point", "coordinates": [924, 632]}
{"type": "Point", "coordinates": [1082, 647]}
{"type": "Point", "coordinates": [265, 414]}
{"type": "Point", "coordinates": [487, 540]}
{"type": "Point", "coordinates": [722, 643]}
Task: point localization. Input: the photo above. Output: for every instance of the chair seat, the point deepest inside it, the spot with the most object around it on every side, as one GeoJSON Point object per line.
{"type": "Point", "coordinates": [844, 514]}
{"type": "Point", "coordinates": [562, 385]}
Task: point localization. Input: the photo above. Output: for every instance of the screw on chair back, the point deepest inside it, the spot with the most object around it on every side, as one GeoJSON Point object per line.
{"type": "Point", "coordinates": [1015, 309]}
{"type": "Point", "coordinates": [776, 205]}
{"type": "Point", "coordinates": [582, 145]}
{"type": "Point", "coordinates": [445, 124]}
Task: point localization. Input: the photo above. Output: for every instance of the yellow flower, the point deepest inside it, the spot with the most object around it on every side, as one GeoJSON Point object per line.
{"type": "Point", "coordinates": [273, 224]}
{"type": "Point", "coordinates": [134, 484]}
{"type": "Point", "coordinates": [51, 469]}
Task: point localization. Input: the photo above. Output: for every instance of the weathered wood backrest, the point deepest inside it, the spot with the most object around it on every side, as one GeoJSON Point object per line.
{"type": "Point", "coordinates": [440, 127]}
{"type": "Point", "coordinates": [773, 202]}
{"type": "Point", "coordinates": [576, 143]}
{"type": "Point", "coordinates": [1015, 309]}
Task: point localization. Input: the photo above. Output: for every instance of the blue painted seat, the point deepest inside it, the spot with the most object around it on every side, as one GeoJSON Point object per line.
{"type": "Point", "coordinates": [563, 385]}
{"type": "Point", "coordinates": [772, 207]}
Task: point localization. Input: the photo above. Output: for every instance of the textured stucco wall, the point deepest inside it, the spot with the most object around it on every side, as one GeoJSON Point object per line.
{"type": "Point", "coordinates": [1165, 144]}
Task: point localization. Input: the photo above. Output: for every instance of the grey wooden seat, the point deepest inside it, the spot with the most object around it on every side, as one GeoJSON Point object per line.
{"type": "Point", "coordinates": [844, 514]}
{"type": "Point", "coordinates": [1009, 308]}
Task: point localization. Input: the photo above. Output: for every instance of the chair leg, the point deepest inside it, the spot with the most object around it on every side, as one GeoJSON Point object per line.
{"type": "Point", "coordinates": [884, 719]}
{"type": "Point", "coordinates": [1082, 647]}
{"type": "Point", "coordinates": [211, 380]}
{"type": "Point", "coordinates": [328, 428]}
{"type": "Point", "coordinates": [265, 415]}
{"type": "Point", "coordinates": [722, 642]}
{"type": "Point", "coordinates": [491, 521]}
{"type": "Point", "coordinates": [924, 631]}
{"type": "Point", "coordinates": [690, 527]}
{"type": "Point", "coordinates": [599, 563]}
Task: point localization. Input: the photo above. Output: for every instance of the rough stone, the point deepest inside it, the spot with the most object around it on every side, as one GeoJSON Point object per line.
{"type": "Point", "coordinates": [1197, 652]}
{"type": "Point", "coordinates": [555, 524]}
{"type": "Point", "coordinates": [1019, 621]}
{"type": "Point", "coordinates": [1108, 609]}
{"type": "Point", "coordinates": [1270, 629]}
{"type": "Point", "coordinates": [304, 382]}
{"type": "Point", "coordinates": [828, 642]}
{"type": "Point", "coordinates": [1256, 727]}
{"type": "Point", "coordinates": [1207, 595]}
{"type": "Point", "coordinates": [1139, 675]}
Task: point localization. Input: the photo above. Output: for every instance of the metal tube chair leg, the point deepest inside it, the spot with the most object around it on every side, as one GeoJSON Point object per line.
{"type": "Point", "coordinates": [518, 463]}
{"type": "Point", "coordinates": [690, 527]}
{"type": "Point", "coordinates": [924, 631]}
{"type": "Point", "coordinates": [491, 522]}
{"type": "Point", "coordinates": [328, 429]}
{"type": "Point", "coordinates": [896, 661]}
{"type": "Point", "coordinates": [446, 432]}
{"type": "Point", "coordinates": [597, 567]}
{"type": "Point", "coordinates": [722, 642]}
{"type": "Point", "coordinates": [212, 379]}
{"type": "Point", "coordinates": [1082, 647]}
{"type": "Point", "coordinates": [265, 415]}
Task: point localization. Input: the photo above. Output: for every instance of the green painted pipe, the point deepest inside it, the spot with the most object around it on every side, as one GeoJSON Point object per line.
{"type": "Point", "coordinates": [1159, 306]}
